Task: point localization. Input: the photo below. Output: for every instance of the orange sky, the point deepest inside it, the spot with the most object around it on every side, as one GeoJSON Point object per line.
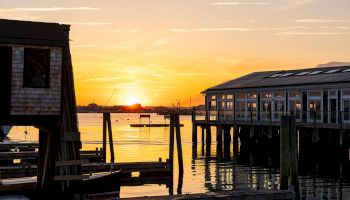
{"type": "Point", "coordinates": [166, 51]}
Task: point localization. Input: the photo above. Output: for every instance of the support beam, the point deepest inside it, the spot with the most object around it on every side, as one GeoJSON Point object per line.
{"type": "Point", "coordinates": [284, 153]}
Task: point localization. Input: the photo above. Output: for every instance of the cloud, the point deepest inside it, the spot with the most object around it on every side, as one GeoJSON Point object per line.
{"type": "Point", "coordinates": [209, 29]}
{"type": "Point", "coordinates": [237, 3]}
{"type": "Point", "coordinates": [321, 20]}
{"type": "Point", "coordinates": [85, 46]}
{"type": "Point", "coordinates": [161, 42]}
{"type": "Point", "coordinates": [89, 23]}
{"type": "Point", "coordinates": [127, 31]}
{"type": "Point", "coordinates": [308, 33]}
{"type": "Point", "coordinates": [225, 29]}
{"type": "Point", "coordinates": [99, 80]}
{"type": "Point", "coordinates": [47, 9]}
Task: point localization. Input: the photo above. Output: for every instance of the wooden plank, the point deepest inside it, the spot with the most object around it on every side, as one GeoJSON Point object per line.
{"type": "Point", "coordinates": [71, 162]}
{"type": "Point", "coordinates": [70, 177]}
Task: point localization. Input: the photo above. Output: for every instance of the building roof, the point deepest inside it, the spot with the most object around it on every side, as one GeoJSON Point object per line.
{"type": "Point", "coordinates": [287, 78]}
{"type": "Point", "coordinates": [32, 33]}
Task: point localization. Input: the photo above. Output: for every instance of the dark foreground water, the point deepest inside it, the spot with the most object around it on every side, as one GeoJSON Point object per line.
{"type": "Point", "coordinates": [206, 169]}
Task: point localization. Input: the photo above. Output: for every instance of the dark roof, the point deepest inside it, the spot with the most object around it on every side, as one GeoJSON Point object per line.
{"type": "Point", "coordinates": [32, 33]}
{"type": "Point", "coordinates": [276, 78]}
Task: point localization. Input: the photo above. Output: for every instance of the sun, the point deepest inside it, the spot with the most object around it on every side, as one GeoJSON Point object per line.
{"type": "Point", "coordinates": [131, 100]}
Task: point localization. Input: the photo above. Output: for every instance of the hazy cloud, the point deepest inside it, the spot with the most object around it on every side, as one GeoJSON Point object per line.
{"type": "Point", "coordinates": [225, 29]}
{"type": "Point", "coordinates": [308, 33]}
{"type": "Point", "coordinates": [85, 46]}
{"type": "Point", "coordinates": [127, 31]}
{"type": "Point", "coordinates": [89, 23]}
{"type": "Point", "coordinates": [47, 9]}
{"type": "Point", "coordinates": [102, 79]}
{"type": "Point", "coordinates": [237, 3]}
{"type": "Point", "coordinates": [321, 20]}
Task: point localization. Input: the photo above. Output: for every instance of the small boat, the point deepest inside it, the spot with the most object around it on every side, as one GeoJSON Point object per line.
{"type": "Point", "coordinates": [105, 184]}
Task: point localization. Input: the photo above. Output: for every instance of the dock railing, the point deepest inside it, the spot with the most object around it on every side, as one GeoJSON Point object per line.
{"type": "Point", "coordinates": [331, 118]}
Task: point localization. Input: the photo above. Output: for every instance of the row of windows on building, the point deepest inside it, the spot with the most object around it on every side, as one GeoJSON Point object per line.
{"type": "Point", "coordinates": [273, 105]}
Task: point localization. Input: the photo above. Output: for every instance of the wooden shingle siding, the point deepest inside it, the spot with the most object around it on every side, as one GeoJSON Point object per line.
{"type": "Point", "coordinates": [36, 101]}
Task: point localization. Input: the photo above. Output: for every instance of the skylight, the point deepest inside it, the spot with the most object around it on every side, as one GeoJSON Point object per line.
{"type": "Point", "coordinates": [315, 72]}
{"type": "Point", "coordinates": [275, 75]}
{"type": "Point", "coordinates": [286, 74]}
{"type": "Point", "coordinates": [332, 71]}
{"type": "Point", "coordinates": [302, 73]}
{"type": "Point", "coordinates": [346, 70]}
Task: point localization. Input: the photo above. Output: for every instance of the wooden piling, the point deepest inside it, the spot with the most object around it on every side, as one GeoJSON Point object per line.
{"type": "Point", "coordinates": [235, 141]}
{"type": "Point", "coordinates": [293, 155]}
{"type": "Point", "coordinates": [194, 133]}
{"type": "Point", "coordinates": [171, 154]}
{"type": "Point", "coordinates": [104, 138]}
{"type": "Point", "coordinates": [284, 152]}
{"type": "Point", "coordinates": [110, 134]}
{"type": "Point", "coordinates": [179, 145]}
{"type": "Point", "coordinates": [219, 134]}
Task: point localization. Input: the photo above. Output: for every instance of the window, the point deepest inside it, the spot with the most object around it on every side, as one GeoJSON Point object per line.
{"type": "Point", "coordinates": [36, 73]}
{"type": "Point", "coordinates": [315, 94]}
{"type": "Point", "coordinates": [266, 95]}
{"type": "Point", "coordinates": [294, 94]}
{"type": "Point", "coordinates": [229, 96]}
{"type": "Point", "coordinates": [275, 75]}
{"type": "Point", "coordinates": [240, 96]}
{"type": "Point", "coordinates": [252, 96]}
{"type": "Point", "coordinates": [213, 97]}
{"type": "Point", "coordinates": [346, 92]}
{"type": "Point", "coordinates": [279, 94]}
{"type": "Point", "coordinates": [332, 71]}
{"type": "Point", "coordinates": [302, 73]}
{"type": "Point", "coordinates": [286, 74]}
{"type": "Point", "coordinates": [223, 96]}
{"type": "Point", "coordinates": [315, 72]}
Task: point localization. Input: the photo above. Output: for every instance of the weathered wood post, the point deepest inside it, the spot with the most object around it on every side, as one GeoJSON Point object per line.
{"type": "Point", "coordinates": [284, 152]}
{"type": "Point", "coordinates": [171, 154]}
{"type": "Point", "coordinates": [219, 135]}
{"type": "Point", "coordinates": [227, 142]}
{"type": "Point", "coordinates": [110, 134]}
{"type": "Point", "coordinates": [104, 138]}
{"type": "Point", "coordinates": [293, 155]}
{"type": "Point", "coordinates": [235, 141]}
{"type": "Point", "coordinates": [208, 140]}
{"type": "Point", "coordinates": [179, 145]}
{"type": "Point", "coordinates": [288, 154]}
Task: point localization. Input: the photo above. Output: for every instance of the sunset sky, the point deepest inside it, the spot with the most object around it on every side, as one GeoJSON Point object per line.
{"type": "Point", "coordinates": [160, 52]}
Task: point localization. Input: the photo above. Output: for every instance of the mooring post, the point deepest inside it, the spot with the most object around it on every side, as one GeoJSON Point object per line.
{"type": "Point", "coordinates": [179, 145]}
{"type": "Point", "coordinates": [293, 155]}
{"type": "Point", "coordinates": [208, 140]}
{"type": "Point", "coordinates": [104, 137]}
{"type": "Point", "coordinates": [235, 141]}
{"type": "Point", "coordinates": [219, 135]}
{"type": "Point", "coordinates": [171, 153]}
{"type": "Point", "coordinates": [194, 133]}
{"type": "Point", "coordinates": [227, 142]}
{"type": "Point", "coordinates": [110, 134]}
{"type": "Point", "coordinates": [284, 152]}
{"type": "Point", "coordinates": [203, 129]}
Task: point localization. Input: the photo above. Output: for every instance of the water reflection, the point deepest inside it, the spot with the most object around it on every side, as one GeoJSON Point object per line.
{"type": "Point", "coordinates": [255, 166]}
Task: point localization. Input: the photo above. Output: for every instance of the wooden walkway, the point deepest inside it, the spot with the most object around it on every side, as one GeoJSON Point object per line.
{"type": "Point", "coordinates": [238, 195]}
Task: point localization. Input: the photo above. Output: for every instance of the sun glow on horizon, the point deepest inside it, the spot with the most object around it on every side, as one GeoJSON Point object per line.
{"type": "Point", "coordinates": [131, 100]}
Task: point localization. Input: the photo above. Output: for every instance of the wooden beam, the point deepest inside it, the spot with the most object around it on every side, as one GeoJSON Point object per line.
{"type": "Point", "coordinates": [71, 162]}
{"type": "Point", "coordinates": [70, 177]}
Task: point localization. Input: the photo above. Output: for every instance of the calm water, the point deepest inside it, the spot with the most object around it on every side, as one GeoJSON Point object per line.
{"type": "Point", "coordinates": [205, 168]}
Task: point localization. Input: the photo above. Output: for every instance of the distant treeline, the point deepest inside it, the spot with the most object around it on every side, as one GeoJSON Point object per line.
{"type": "Point", "coordinates": [136, 108]}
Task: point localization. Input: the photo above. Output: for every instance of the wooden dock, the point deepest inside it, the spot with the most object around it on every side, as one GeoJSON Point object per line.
{"type": "Point", "coordinates": [228, 195]}
{"type": "Point", "coordinates": [152, 125]}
